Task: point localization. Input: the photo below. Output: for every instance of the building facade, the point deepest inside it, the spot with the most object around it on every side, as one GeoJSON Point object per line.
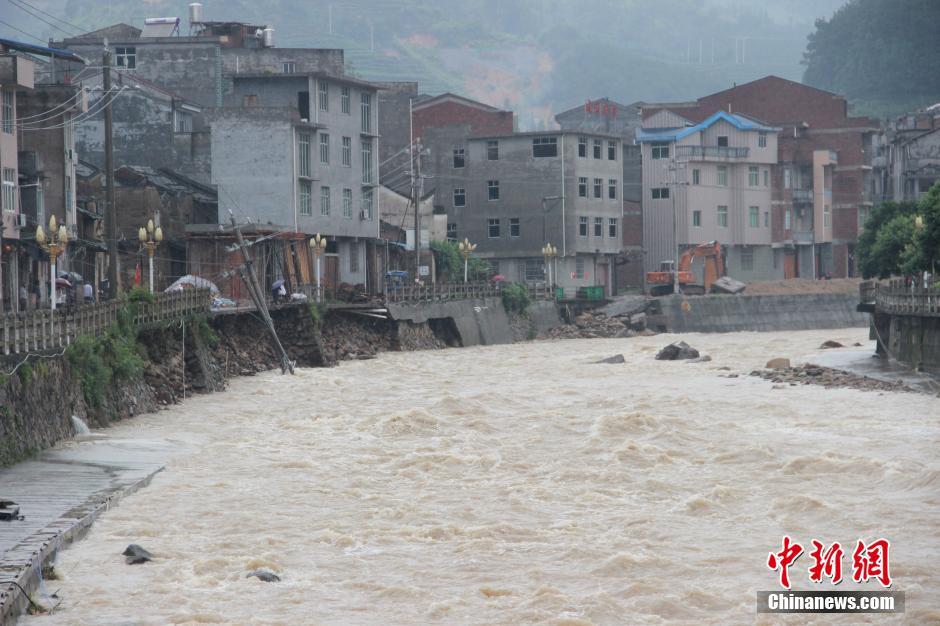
{"type": "Point", "coordinates": [709, 182]}
{"type": "Point", "coordinates": [910, 155]}
{"type": "Point", "coordinates": [511, 194]}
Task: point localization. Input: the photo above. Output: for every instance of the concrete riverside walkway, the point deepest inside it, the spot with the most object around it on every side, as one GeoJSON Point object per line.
{"type": "Point", "coordinates": [61, 493]}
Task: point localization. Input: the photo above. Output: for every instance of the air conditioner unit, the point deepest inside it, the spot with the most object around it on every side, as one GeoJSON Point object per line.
{"type": "Point", "coordinates": [20, 220]}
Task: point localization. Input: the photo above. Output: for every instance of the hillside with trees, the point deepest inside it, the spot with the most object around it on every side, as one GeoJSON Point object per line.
{"type": "Point", "coordinates": [882, 54]}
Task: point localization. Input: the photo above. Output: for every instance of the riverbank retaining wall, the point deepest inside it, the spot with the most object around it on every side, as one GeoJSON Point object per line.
{"type": "Point", "coordinates": [732, 313]}
{"type": "Point", "coordinates": [911, 339]}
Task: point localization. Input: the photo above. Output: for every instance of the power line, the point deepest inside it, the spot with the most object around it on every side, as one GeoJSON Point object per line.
{"type": "Point", "coordinates": [61, 105]}
{"type": "Point", "coordinates": [50, 15]}
{"type": "Point", "coordinates": [101, 104]}
{"type": "Point", "coordinates": [40, 18]}
{"type": "Point", "coordinates": [23, 31]}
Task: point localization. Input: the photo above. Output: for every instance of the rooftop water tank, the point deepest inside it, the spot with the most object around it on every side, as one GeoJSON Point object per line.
{"type": "Point", "coordinates": [195, 13]}
{"type": "Point", "coordinates": [268, 37]}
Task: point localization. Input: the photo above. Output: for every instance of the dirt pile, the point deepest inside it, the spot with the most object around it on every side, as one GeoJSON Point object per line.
{"type": "Point", "coordinates": [591, 325]}
{"type": "Point", "coordinates": [829, 378]}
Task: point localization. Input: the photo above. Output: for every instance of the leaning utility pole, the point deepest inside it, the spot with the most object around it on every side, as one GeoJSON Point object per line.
{"type": "Point", "coordinates": [417, 186]}
{"type": "Point", "coordinates": [254, 290]}
{"type": "Point", "coordinates": [109, 174]}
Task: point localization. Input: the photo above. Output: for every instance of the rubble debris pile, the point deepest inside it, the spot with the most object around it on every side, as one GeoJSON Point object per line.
{"type": "Point", "coordinates": [829, 378]}
{"type": "Point", "coordinates": [598, 324]}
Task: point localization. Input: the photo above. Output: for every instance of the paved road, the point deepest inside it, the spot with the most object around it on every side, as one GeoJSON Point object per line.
{"type": "Point", "coordinates": [60, 494]}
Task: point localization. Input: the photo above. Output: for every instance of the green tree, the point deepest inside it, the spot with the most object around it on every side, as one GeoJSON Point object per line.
{"type": "Point", "coordinates": [888, 233]}
{"type": "Point", "coordinates": [449, 263]}
{"type": "Point", "coordinates": [928, 233]}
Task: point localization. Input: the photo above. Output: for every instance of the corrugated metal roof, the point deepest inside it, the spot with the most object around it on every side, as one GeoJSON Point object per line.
{"type": "Point", "coordinates": [675, 134]}
{"type": "Point", "coordinates": [45, 51]}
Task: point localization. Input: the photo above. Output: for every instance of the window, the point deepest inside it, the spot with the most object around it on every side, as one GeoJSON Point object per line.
{"type": "Point", "coordinates": [303, 154]}
{"type": "Point", "coordinates": [305, 199]}
{"type": "Point", "coordinates": [126, 57]}
{"type": "Point", "coordinates": [492, 189]}
{"type": "Point", "coordinates": [597, 148]}
{"type": "Point", "coordinates": [582, 226]}
{"type": "Point", "coordinates": [723, 175]}
{"type": "Point", "coordinates": [660, 193]}
{"type": "Point", "coordinates": [365, 107]}
{"type": "Point", "coordinates": [251, 100]}
{"type": "Point", "coordinates": [303, 104]}
{"type": "Point", "coordinates": [723, 216]}
{"type": "Point", "coordinates": [696, 177]}
{"type": "Point", "coordinates": [68, 193]}
{"type": "Point", "coordinates": [612, 189]}
{"type": "Point", "coordinates": [347, 151]}
{"type": "Point", "coordinates": [324, 200]}
{"type": "Point", "coordinates": [366, 204]}
{"type": "Point", "coordinates": [8, 112]}
{"type": "Point", "coordinates": [347, 203]}
{"type": "Point", "coordinates": [766, 178]}
{"type": "Point", "coordinates": [582, 187]}
{"type": "Point", "coordinates": [460, 157]}
{"type": "Point", "coordinates": [367, 161]}
{"type": "Point", "coordinates": [543, 147]}
{"type": "Point", "coordinates": [494, 267]}
{"type": "Point", "coordinates": [493, 228]}
{"type": "Point", "coordinates": [514, 227]}
{"type": "Point", "coordinates": [723, 141]}
{"type": "Point", "coordinates": [534, 270]}
{"type": "Point", "coordinates": [612, 227]}
{"type": "Point", "coordinates": [762, 140]}
{"type": "Point", "coordinates": [582, 147]}
{"type": "Point", "coordinates": [827, 216]}
{"type": "Point", "coordinates": [182, 121]}
{"type": "Point", "coordinates": [451, 231]}
{"type": "Point", "coordinates": [786, 220]}
{"type": "Point", "coordinates": [696, 218]}
{"type": "Point", "coordinates": [660, 150]}
{"type": "Point", "coordinates": [611, 151]}
{"type": "Point", "coordinates": [579, 267]}
{"type": "Point", "coordinates": [753, 216]}
{"type": "Point", "coordinates": [752, 180]}
{"type": "Point", "coordinates": [9, 189]}
{"type": "Point", "coordinates": [747, 258]}
{"type": "Point", "coordinates": [598, 187]}
{"type": "Point", "coordinates": [460, 197]}
{"type": "Point", "coordinates": [492, 150]}
{"type": "Point", "coordinates": [323, 95]}
{"type": "Point", "coordinates": [344, 99]}
{"type": "Point", "coordinates": [598, 226]}
{"type": "Point", "coordinates": [786, 178]}
{"type": "Point", "coordinates": [324, 148]}
{"type": "Point", "coordinates": [288, 67]}
{"type": "Point", "coordinates": [353, 257]}
{"type": "Point", "coordinates": [766, 219]}
{"type": "Point", "coordinates": [862, 217]}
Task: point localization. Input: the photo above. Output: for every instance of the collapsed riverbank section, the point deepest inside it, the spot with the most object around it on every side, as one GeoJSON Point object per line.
{"type": "Point", "coordinates": [130, 371]}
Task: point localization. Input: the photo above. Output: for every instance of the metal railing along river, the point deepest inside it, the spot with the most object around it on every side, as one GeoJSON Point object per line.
{"type": "Point", "coordinates": [45, 329]}
{"type": "Point", "coordinates": [914, 299]}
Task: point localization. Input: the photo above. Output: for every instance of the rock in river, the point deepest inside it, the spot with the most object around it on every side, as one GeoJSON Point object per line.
{"type": "Point", "coordinates": [264, 575]}
{"type": "Point", "coordinates": [677, 351]}
{"type": "Point", "coordinates": [617, 358]}
{"type": "Point", "coordinates": [135, 554]}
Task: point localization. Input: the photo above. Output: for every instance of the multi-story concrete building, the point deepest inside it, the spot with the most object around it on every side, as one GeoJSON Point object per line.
{"type": "Point", "coordinates": [301, 151]}
{"type": "Point", "coordinates": [512, 193]}
{"type": "Point", "coordinates": [199, 65]}
{"type": "Point", "coordinates": [816, 128]}
{"type": "Point", "coordinates": [709, 182]}
{"type": "Point", "coordinates": [910, 154]}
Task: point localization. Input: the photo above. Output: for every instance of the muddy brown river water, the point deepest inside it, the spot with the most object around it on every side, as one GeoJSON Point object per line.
{"type": "Point", "coordinates": [515, 484]}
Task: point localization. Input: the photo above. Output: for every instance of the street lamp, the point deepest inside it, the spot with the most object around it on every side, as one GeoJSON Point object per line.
{"type": "Point", "coordinates": [58, 239]}
{"type": "Point", "coordinates": [150, 238]}
{"type": "Point", "coordinates": [318, 245]}
{"type": "Point", "coordinates": [466, 249]}
{"type": "Point", "coordinates": [549, 252]}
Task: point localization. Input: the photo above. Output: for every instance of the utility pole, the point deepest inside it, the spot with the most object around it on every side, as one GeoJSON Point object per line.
{"type": "Point", "coordinates": [417, 187]}
{"type": "Point", "coordinates": [109, 174]}
{"type": "Point", "coordinates": [248, 277]}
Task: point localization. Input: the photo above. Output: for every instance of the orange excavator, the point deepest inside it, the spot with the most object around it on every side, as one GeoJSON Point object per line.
{"type": "Point", "coordinates": [661, 283]}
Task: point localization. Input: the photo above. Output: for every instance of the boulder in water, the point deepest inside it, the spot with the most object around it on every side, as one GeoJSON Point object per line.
{"type": "Point", "coordinates": [830, 344]}
{"type": "Point", "coordinates": [677, 351]}
{"type": "Point", "coordinates": [135, 554]}
{"type": "Point", "coordinates": [617, 358]}
{"type": "Point", "coordinates": [264, 575]}
{"type": "Point", "coordinates": [779, 363]}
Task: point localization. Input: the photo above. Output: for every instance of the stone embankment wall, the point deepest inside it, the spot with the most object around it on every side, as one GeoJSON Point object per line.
{"type": "Point", "coordinates": [910, 339]}
{"type": "Point", "coordinates": [726, 313]}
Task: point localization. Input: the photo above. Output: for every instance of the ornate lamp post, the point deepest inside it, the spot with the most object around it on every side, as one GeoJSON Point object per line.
{"type": "Point", "coordinates": [58, 239]}
{"type": "Point", "coordinates": [466, 249]}
{"type": "Point", "coordinates": [318, 246]}
{"type": "Point", "coordinates": [150, 238]}
{"type": "Point", "coordinates": [549, 252]}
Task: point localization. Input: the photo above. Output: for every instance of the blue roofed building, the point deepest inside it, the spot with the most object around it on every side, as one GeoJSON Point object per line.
{"type": "Point", "coordinates": [709, 181]}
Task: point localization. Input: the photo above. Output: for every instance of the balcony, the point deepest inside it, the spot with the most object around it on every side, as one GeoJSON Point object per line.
{"type": "Point", "coordinates": [802, 237]}
{"type": "Point", "coordinates": [712, 153]}
{"type": "Point", "coordinates": [802, 195]}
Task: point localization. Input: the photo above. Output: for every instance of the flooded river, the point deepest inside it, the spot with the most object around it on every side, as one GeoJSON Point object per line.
{"type": "Point", "coordinates": [515, 484]}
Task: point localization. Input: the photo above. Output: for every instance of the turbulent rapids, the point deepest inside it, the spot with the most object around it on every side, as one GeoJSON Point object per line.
{"type": "Point", "coordinates": [514, 484]}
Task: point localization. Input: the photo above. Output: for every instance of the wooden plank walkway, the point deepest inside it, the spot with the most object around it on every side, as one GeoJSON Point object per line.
{"type": "Point", "coordinates": [60, 494]}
